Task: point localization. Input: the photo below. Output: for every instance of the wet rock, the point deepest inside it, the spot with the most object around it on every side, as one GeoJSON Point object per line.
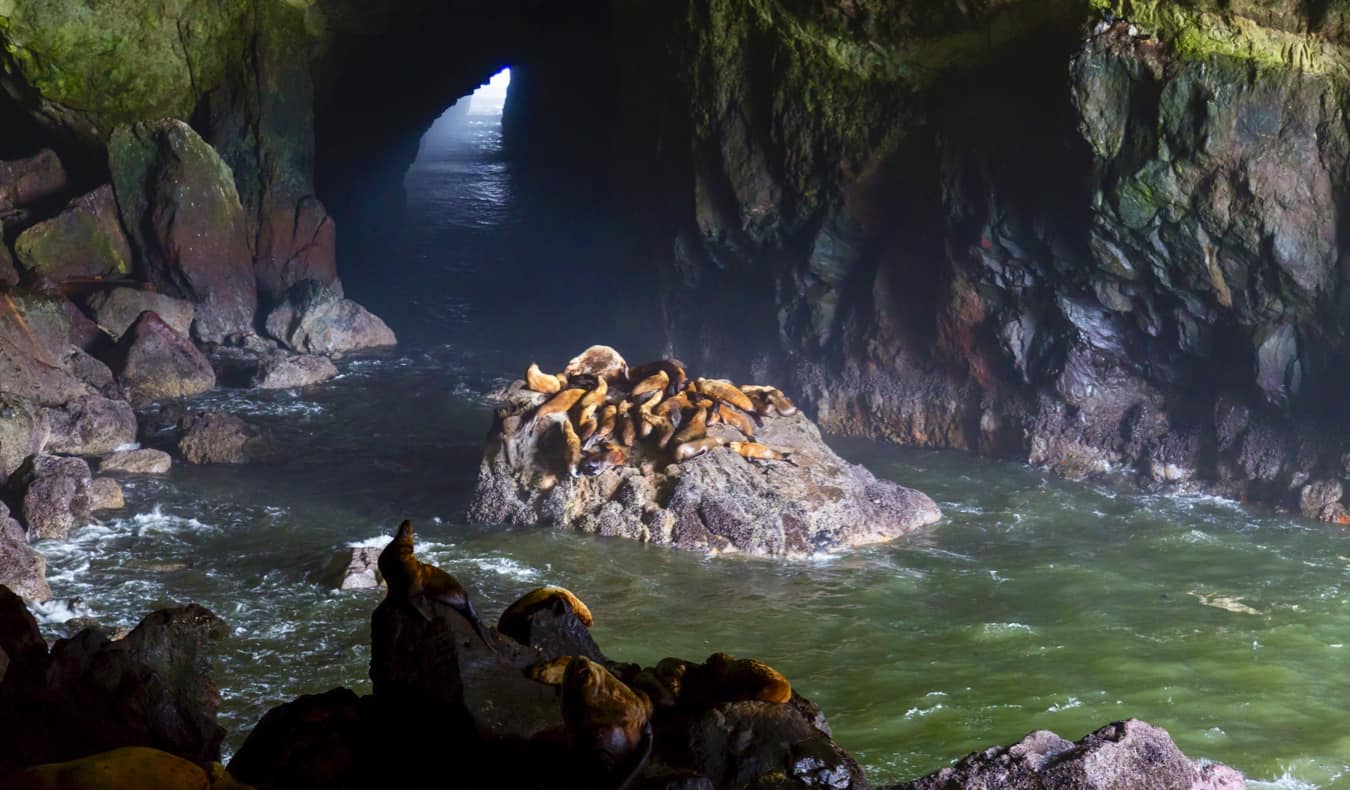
{"type": "Point", "coordinates": [282, 370]}
{"type": "Point", "coordinates": [54, 495]}
{"type": "Point", "coordinates": [1125, 754]}
{"type": "Point", "coordinates": [91, 425]}
{"type": "Point", "coordinates": [220, 438]}
{"type": "Point", "coordinates": [317, 319]}
{"type": "Point", "coordinates": [556, 632]}
{"type": "Point", "coordinates": [136, 462]}
{"type": "Point", "coordinates": [354, 569]}
{"type": "Point", "coordinates": [1322, 500]}
{"type": "Point", "coordinates": [151, 688]}
{"type": "Point", "coordinates": [22, 568]}
{"type": "Point", "coordinates": [717, 502]}
{"type": "Point", "coordinates": [157, 362]}
{"type": "Point", "coordinates": [106, 494]}
{"type": "Point", "coordinates": [25, 182]}
{"type": "Point", "coordinates": [317, 741]}
{"type": "Point", "coordinates": [117, 309]}
{"type": "Point", "coordinates": [179, 202]}
{"type": "Point", "coordinates": [92, 371]}
{"type": "Point", "coordinates": [84, 241]}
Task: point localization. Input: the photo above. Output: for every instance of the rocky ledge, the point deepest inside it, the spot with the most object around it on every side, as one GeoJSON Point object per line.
{"type": "Point", "coordinates": [695, 464]}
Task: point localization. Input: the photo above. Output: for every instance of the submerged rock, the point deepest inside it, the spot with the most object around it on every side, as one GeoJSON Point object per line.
{"type": "Point", "coordinates": [1126, 754]}
{"type": "Point", "coordinates": [315, 318]}
{"type": "Point", "coordinates": [157, 362]}
{"type": "Point", "coordinates": [83, 241]}
{"type": "Point", "coordinates": [136, 462]}
{"type": "Point", "coordinates": [282, 370]}
{"type": "Point", "coordinates": [22, 568]}
{"type": "Point", "coordinates": [54, 493]}
{"type": "Point", "coordinates": [219, 438]}
{"type": "Point", "coordinates": [717, 501]}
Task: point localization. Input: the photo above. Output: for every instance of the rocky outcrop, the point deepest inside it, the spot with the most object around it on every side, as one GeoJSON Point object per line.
{"type": "Point", "coordinates": [715, 502]}
{"type": "Point", "coordinates": [116, 309]}
{"type": "Point", "coordinates": [317, 319]}
{"type": "Point", "coordinates": [1125, 754]}
{"type": "Point", "coordinates": [220, 438]}
{"type": "Point", "coordinates": [90, 425]}
{"type": "Point", "coordinates": [283, 371]}
{"type": "Point", "coordinates": [157, 362]}
{"type": "Point", "coordinates": [355, 568]}
{"type": "Point", "coordinates": [136, 462]}
{"type": "Point", "coordinates": [54, 495]}
{"type": "Point", "coordinates": [91, 694]}
{"type": "Point", "coordinates": [180, 204]}
{"type": "Point", "coordinates": [84, 241]}
{"type": "Point", "coordinates": [22, 569]}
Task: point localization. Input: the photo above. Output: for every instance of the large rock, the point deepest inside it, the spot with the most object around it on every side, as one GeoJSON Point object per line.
{"type": "Point", "coordinates": [24, 431]}
{"type": "Point", "coordinates": [22, 568]}
{"type": "Point", "coordinates": [24, 182]}
{"type": "Point", "coordinates": [179, 201]}
{"type": "Point", "coordinates": [85, 240]}
{"type": "Point", "coordinates": [157, 362]}
{"type": "Point", "coordinates": [355, 568]}
{"type": "Point", "coordinates": [151, 688]}
{"type": "Point", "coordinates": [318, 741]}
{"type": "Point", "coordinates": [1119, 756]}
{"type": "Point", "coordinates": [54, 495]}
{"type": "Point", "coordinates": [105, 493]}
{"type": "Point", "coordinates": [136, 462]}
{"type": "Point", "coordinates": [116, 309]}
{"type": "Point", "coordinates": [90, 425]}
{"type": "Point", "coordinates": [317, 319]}
{"type": "Point", "coordinates": [220, 438]}
{"type": "Point", "coordinates": [717, 502]}
{"type": "Point", "coordinates": [34, 338]}
{"type": "Point", "coordinates": [283, 370]}
{"type": "Point", "coordinates": [21, 643]}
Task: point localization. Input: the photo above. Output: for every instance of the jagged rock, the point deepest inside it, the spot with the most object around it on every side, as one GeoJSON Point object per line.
{"type": "Point", "coordinates": [316, 319]}
{"type": "Point", "coordinates": [1322, 500]}
{"type": "Point", "coordinates": [354, 569]}
{"type": "Point", "coordinates": [136, 462]}
{"type": "Point", "coordinates": [92, 371]}
{"type": "Point", "coordinates": [106, 494]}
{"type": "Point", "coordinates": [220, 438]}
{"type": "Point", "coordinates": [718, 501]}
{"type": "Point", "coordinates": [178, 199]}
{"type": "Point", "coordinates": [1125, 754]}
{"type": "Point", "coordinates": [34, 338]}
{"type": "Point", "coordinates": [85, 240]}
{"type": "Point", "coordinates": [22, 568]}
{"type": "Point", "coordinates": [54, 495]}
{"type": "Point", "coordinates": [117, 309]}
{"type": "Point", "coordinates": [151, 688]}
{"type": "Point", "coordinates": [157, 362]}
{"type": "Point", "coordinates": [556, 632]}
{"type": "Point", "coordinates": [282, 370]}
{"type": "Point", "coordinates": [91, 425]}
{"type": "Point", "coordinates": [24, 182]}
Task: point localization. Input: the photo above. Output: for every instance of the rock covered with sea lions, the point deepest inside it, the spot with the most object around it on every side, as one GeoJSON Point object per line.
{"type": "Point", "coordinates": [651, 453]}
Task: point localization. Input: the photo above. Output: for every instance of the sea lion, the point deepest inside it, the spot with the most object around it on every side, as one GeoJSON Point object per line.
{"type": "Point", "coordinates": [604, 427]}
{"type": "Point", "coordinates": [664, 429]}
{"type": "Point", "coordinates": [693, 449]}
{"type": "Point", "coordinates": [759, 452]}
{"type": "Point", "coordinates": [558, 404]}
{"type": "Point", "coordinates": [724, 391]}
{"type": "Point", "coordinates": [627, 427]}
{"type": "Point", "coordinates": [608, 455]}
{"type": "Point", "coordinates": [600, 361]}
{"type": "Point", "coordinates": [736, 419]}
{"type": "Point", "coordinates": [597, 395]}
{"type": "Point", "coordinates": [609, 732]}
{"type": "Point", "coordinates": [657, 382]}
{"type": "Point", "coordinates": [550, 673]}
{"type": "Point", "coordinates": [726, 679]}
{"type": "Point", "coordinates": [514, 620]}
{"type": "Point", "coordinates": [673, 368]}
{"type": "Point", "coordinates": [539, 381]}
{"type": "Point", "coordinates": [673, 408]}
{"type": "Point", "coordinates": [770, 398]}
{"type": "Point", "coordinates": [571, 446]}
{"type": "Point", "coordinates": [127, 768]}
{"type": "Point", "coordinates": [696, 427]}
{"type": "Point", "coordinates": [407, 577]}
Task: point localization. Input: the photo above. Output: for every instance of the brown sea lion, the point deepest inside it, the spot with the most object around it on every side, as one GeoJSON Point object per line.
{"type": "Point", "coordinates": [571, 446]}
{"type": "Point", "coordinates": [696, 448]}
{"type": "Point", "coordinates": [407, 577]}
{"type": "Point", "coordinates": [732, 680]}
{"type": "Point", "coordinates": [596, 396]}
{"type": "Point", "coordinates": [770, 398]}
{"type": "Point", "coordinates": [558, 404]}
{"type": "Point", "coordinates": [673, 368]}
{"type": "Point", "coordinates": [601, 361]}
{"type": "Point", "coordinates": [609, 731]}
{"type": "Point", "coordinates": [606, 456]}
{"type": "Point", "coordinates": [724, 391]}
{"type": "Point", "coordinates": [664, 430]}
{"type": "Point", "coordinates": [736, 419]}
{"type": "Point", "coordinates": [539, 381]}
{"type": "Point", "coordinates": [627, 427]}
{"type": "Point", "coordinates": [673, 408]}
{"type": "Point", "coordinates": [542, 598]}
{"type": "Point", "coordinates": [550, 673]}
{"type": "Point", "coordinates": [605, 425]}
{"type": "Point", "coordinates": [694, 429]}
{"type": "Point", "coordinates": [127, 768]}
{"type": "Point", "coordinates": [759, 452]}
{"type": "Point", "coordinates": [657, 382]}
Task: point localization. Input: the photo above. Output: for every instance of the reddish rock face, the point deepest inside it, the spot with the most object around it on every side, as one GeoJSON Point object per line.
{"type": "Point", "coordinates": [157, 362]}
{"type": "Point", "coordinates": [178, 200]}
{"type": "Point", "coordinates": [295, 243]}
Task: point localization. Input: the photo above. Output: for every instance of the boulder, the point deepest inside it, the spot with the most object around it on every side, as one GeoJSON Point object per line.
{"type": "Point", "coordinates": [92, 371]}
{"type": "Point", "coordinates": [24, 431]}
{"type": "Point", "coordinates": [297, 242]}
{"type": "Point", "coordinates": [22, 568]}
{"type": "Point", "coordinates": [1322, 500]}
{"type": "Point", "coordinates": [34, 339]}
{"type": "Point", "coordinates": [106, 494]}
{"type": "Point", "coordinates": [117, 309]}
{"type": "Point", "coordinates": [84, 241]}
{"type": "Point", "coordinates": [220, 438]}
{"type": "Point", "coordinates": [716, 502]}
{"type": "Point", "coordinates": [157, 362]}
{"type": "Point", "coordinates": [151, 688]}
{"type": "Point", "coordinates": [9, 275]}
{"type": "Point", "coordinates": [54, 495]}
{"type": "Point", "coordinates": [1124, 754]}
{"type": "Point", "coordinates": [355, 568]}
{"type": "Point", "coordinates": [316, 319]}
{"type": "Point", "coordinates": [317, 741]}
{"type": "Point", "coordinates": [282, 370]}
{"type": "Point", "coordinates": [25, 182]}
{"type": "Point", "coordinates": [90, 425]}
{"type": "Point", "coordinates": [179, 201]}
{"type": "Point", "coordinates": [136, 462]}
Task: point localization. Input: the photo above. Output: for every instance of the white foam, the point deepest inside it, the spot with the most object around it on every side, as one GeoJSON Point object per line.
{"type": "Point", "coordinates": [377, 542]}
{"type": "Point", "coordinates": [918, 713]}
{"type": "Point", "coordinates": [58, 611]}
{"type": "Point", "coordinates": [128, 447]}
{"type": "Point", "coordinates": [1069, 704]}
{"type": "Point", "coordinates": [504, 566]}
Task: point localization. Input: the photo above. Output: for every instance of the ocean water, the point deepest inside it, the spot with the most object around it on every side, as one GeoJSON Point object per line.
{"type": "Point", "coordinates": [1036, 603]}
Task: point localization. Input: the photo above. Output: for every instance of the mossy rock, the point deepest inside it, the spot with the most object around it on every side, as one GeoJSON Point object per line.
{"type": "Point", "coordinates": [84, 240]}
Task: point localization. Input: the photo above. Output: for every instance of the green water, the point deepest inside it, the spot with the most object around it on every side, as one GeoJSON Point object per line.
{"type": "Point", "coordinates": [1036, 603]}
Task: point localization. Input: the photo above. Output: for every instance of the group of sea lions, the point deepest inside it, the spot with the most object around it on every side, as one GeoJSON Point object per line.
{"type": "Point", "coordinates": [607, 708]}
{"type": "Point", "coordinates": [605, 410]}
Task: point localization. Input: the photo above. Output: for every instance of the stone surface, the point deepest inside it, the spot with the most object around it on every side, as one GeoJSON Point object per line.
{"type": "Point", "coordinates": [151, 688]}
{"type": "Point", "coordinates": [24, 431]}
{"type": "Point", "coordinates": [106, 494]}
{"type": "Point", "coordinates": [136, 462]}
{"type": "Point", "coordinates": [354, 569]}
{"type": "Point", "coordinates": [282, 370]}
{"type": "Point", "coordinates": [25, 182]}
{"type": "Point", "coordinates": [157, 362]}
{"type": "Point", "coordinates": [220, 438]}
{"type": "Point", "coordinates": [116, 309]}
{"type": "Point", "coordinates": [22, 569]}
{"type": "Point", "coordinates": [717, 502]}
{"type": "Point", "coordinates": [54, 495]}
{"type": "Point", "coordinates": [90, 425]}
{"type": "Point", "coordinates": [179, 202]}
{"type": "Point", "coordinates": [317, 319]}
{"type": "Point", "coordinates": [84, 241]}
{"type": "Point", "coordinates": [9, 275]}
{"type": "Point", "coordinates": [1126, 754]}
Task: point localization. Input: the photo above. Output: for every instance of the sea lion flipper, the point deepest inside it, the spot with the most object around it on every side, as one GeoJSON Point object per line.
{"type": "Point", "coordinates": [639, 758]}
